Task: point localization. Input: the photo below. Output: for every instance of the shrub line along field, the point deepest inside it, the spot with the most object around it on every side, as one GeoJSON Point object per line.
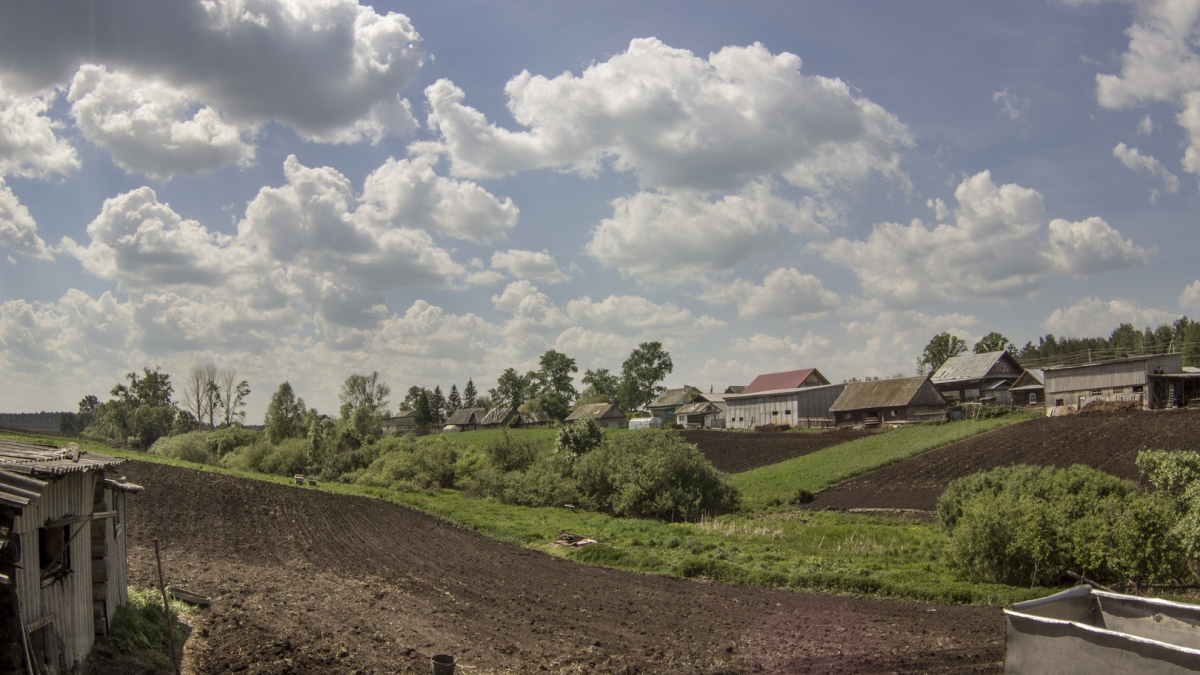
{"type": "Point", "coordinates": [308, 581]}
{"type": "Point", "coordinates": [1105, 441]}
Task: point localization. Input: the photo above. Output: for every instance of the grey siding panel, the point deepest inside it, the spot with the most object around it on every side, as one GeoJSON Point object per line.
{"type": "Point", "coordinates": [805, 404]}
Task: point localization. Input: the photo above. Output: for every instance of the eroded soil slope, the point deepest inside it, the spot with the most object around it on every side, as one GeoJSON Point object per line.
{"type": "Point", "coordinates": [310, 582]}
{"type": "Point", "coordinates": [1109, 442]}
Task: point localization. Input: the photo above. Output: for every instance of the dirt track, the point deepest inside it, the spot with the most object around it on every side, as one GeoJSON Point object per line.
{"type": "Point", "coordinates": [736, 451]}
{"type": "Point", "coordinates": [309, 582]}
{"type": "Point", "coordinates": [1109, 442]}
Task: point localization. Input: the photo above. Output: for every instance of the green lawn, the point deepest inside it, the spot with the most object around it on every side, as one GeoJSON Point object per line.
{"type": "Point", "coordinates": [764, 545]}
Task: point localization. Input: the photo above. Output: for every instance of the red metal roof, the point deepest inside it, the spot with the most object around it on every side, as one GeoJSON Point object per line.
{"type": "Point", "coordinates": [792, 379]}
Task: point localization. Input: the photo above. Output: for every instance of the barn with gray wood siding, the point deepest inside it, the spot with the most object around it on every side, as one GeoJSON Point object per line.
{"type": "Point", "coordinates": [1152, 381]}
{"type": "Point", "coordinates": [62, 554]}
{"type": "Point", "coordinates": [905, 400]}
{"type": "Point", "coordinates": [805, 406]}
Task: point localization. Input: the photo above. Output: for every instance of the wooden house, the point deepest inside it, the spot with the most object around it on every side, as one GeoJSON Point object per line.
{"type": "Point", "coordinates": [499, 417]}
{"type": "Point", "coordinates": [402, 422]}
{"type": "Point", "coordinates": [1152, 381]}
{"type": "Point", "coordinates": [666, 403]}
{"type": "Point", "coordinates": [1030, 389]}
{"type": "Point", "coordinates": [539, 418]}
{"type": "Point", "coordinates": [606, 415]}
{"type": "Point", "coordinates": [904, 400]}
{"type": "Point", "coordinates": [794, 397]}
{"type": "Point", "coordinates": [62, 554]}
{"type": "Point", "coordinates": [467, 419]}
{"type": "Point", "coordinates": [978, 377]}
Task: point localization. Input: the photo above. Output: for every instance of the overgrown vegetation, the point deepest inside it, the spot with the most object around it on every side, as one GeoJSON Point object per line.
{"type": "Point", "coordinates": [1032, 525]}
{"type": "Point", "coordinates": [139, 629]}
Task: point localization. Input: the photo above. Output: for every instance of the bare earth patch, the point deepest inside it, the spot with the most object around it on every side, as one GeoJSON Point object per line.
{"type": "Point", "coordinates": [309, 582]}
{"type": "Point", "coordinates": [1108, 442]}
{"type": "Point", "coordinates": [738, 451]}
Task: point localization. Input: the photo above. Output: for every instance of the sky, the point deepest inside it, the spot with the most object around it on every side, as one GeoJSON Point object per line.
{"type": "Point", "coordinates": [439, 191]}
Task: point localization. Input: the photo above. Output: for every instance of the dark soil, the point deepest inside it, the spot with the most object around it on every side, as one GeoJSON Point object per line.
{"type": "Point", "coordinates": [737, 451]}
{"type": "Point", "coordinates": [305, 581]}
{"type": "Point", "coordinates": [1109, 442]}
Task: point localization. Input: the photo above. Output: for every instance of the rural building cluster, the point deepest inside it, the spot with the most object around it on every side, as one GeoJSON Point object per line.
{"type": "Point", "coordinates": [805, 398]}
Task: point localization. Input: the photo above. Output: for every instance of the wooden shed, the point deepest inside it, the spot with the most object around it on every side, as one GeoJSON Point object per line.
{"type": "Point", "coordinates": [62, 554]}
{"type": "Point", "coordinates": [905, 400]}
{"type": "Point", "coordinates": [467, 419]}
{"type": "Point", "coordinates": [666, 403]}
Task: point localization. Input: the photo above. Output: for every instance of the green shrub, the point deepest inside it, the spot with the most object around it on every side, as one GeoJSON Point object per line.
{"type": "Point", "coordinates": [510, 453]}
{"type": "Point", "coordinates": [189, 447]}
{"type": "Point", "coordinates": [652, 474]}
{"type": "Point", "coordinates": [227, 439]}
{"type": "Point", "coordinates": [411, 465]}
{"type": "Point", "coordinates": [580, 437]}
{"type": "Point", "coordinates": [1027, 525]}
{"type": "Point", "coordinates": [287, 458]}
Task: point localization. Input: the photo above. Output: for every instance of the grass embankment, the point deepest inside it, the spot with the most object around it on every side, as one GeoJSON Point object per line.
{"type": "Point", "coordinates": [766, 544]}
{"type": "Point", "coordinates": [819, 470]}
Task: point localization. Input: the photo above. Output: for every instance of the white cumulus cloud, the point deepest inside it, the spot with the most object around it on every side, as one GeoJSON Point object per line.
{"type": "Point", "coordinates": [997, 247]}
{"type": "Point", "coordinates": [1189, 299]}
{"type": "Point", "coordinates": [1093, 316]}
{"type": "Point", "coordinates": [539, 266]}
{"type": "Point", "coordinates": [1134, 160]}
{"type": "Point", "coordinates": [148, 125]}
{"type": "Point", "coordinates": [785, 293]}
{"type": "Point", "coordinates": [18, 231]}
{"type": "Point", "coordinates": [677, 121]}
{"type": "Point", "coordinates": [29, 144]}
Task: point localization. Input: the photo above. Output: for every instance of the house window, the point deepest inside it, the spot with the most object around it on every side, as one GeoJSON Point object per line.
{"type": "Point", "coordinates": [740, 419]}
{"type": "Point", "coordinates": [1058, 401]}
{"type": "Point", "coordinates": [787, 412]}
{"type": "Point", "coordinates": [1137, 388]}
{"type": "Point", "coordinates": [54, 551]}
{"type": "Point", "coordinates": [1032, 398]}
{"type": "Point", "coordinates": [1096, 392]}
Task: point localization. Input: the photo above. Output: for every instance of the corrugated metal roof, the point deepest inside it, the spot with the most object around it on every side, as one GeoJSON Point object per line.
{"type": "Point", "coordinates": [499, 415]}
{"type": "Point", "coordinates": [28, 458]}
{"type": "Point", "coordinates": [792, 379]}
{"type": "Point", "coordinates": [674, 397]}
{"type": "Point", "coordinates": [972, 366]}
{"type": "Point", "coordinates": [21, 462]}
{"type": "Point", "coordinates": [699, 407]}
{"type": "Point", "coordinates": [879, 394]}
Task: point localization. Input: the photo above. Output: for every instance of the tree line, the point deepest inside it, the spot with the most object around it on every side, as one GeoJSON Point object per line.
{"type": "Point", "coordinates": [1182, 335]}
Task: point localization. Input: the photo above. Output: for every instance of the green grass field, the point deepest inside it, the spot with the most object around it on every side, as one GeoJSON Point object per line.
{"type": "Point", "coordinates": [766, 544]}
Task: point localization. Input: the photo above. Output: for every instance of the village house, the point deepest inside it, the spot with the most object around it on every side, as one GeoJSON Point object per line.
{"type": "Point", "coordinates": [665, 404]}
{"type": "Point", "coordinates": [1152, 381]}
{"type": "Point", "coordinates": [606, 415]}
{"type": "Point", "coordinates": [62, 554]}
{"type": "Point", "coordinates": [499, 417]}
{"type": "Point", "coordinates": [1030, 389]}
{"type": "Point", "coordinates": [978, 377]}
{"type": "Point", "coordinates": [401, 423]}
{"type": "Point", "coordinates": [467, 419]}
{"type": "Point", "coordinates": [905, 400]}
{"type": "Point", "coordinates": [794, 397]}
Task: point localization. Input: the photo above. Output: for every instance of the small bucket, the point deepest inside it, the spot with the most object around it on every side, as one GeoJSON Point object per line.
{"type": "Point", "coordinates": [443, 664]}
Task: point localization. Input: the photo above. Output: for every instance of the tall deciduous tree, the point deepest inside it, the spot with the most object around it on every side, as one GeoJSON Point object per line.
{"type": "Point", "coordinates": [511, 388]}
{"type": "Point", "coordinates": [200, 391]}
{"type": "Point", "coordinates": [555, 376]}
{"type": "Point", "coordinates": [992, 342]}
{"type": "Point", "coordinates": [232, 396]}
{"type": "Point", "coordinates": [364, 405]}
{"type": "Point", "coordinates": [647, 365]}
{"type": "Point", "coordinates": [942, 347]}
{"type": "Point", "coordinates": [285, 416]}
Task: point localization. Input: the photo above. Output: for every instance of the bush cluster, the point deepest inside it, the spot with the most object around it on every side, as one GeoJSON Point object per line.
{"type": "Point", "coordinates": [1031, 525]}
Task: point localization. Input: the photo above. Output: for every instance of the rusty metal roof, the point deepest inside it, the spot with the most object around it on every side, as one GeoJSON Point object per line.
{"type": "Point", "coordinates": [29, 458]}
{"type": "Point", "coordinates": [792, 379]}
{"type": "Point", "coordinates": [883, 394]}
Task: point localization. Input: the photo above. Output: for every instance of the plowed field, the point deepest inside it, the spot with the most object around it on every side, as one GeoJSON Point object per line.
{"type": "Point", "coordinates": [310, 582]}
{"type": "Point", "coordinates": [1109, 442]}
{"type": "Point", "coordinates": [737, 451]}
